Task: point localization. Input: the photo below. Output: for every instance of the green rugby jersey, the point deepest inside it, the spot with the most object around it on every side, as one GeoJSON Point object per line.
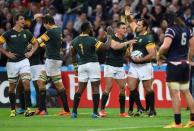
{"type": "Point", "coordinates": [143, 42]}
{"type": "Point", "coordinates": [86, 48]}
{"type": "Point", "coordinates": [52, 39]}
{"type": "Point", "coordinates": [35, 59]}
{"type": "Point", "coordinates": [17, 42]}
{"type": "Point", "coordinates": [116, 57]}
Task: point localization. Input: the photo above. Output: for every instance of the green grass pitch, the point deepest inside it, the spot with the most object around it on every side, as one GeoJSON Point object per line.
{"type": "Point", "coordinates": [84, 122]}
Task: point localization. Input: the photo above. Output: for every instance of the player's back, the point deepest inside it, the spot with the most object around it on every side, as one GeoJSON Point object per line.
{"type": "Point", "coordinates": [53, 45]}
{"type": "Point", "coordinates": [179, 47]}
{"type": "Point", "coordinates": [85, 46]}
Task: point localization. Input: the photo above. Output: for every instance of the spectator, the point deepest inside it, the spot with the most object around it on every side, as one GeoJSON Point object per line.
{"type": "Point", "coordinates": [37, 27]}
{"type": "Point", "coordinates": [81, 19]}
{"type": "Point", "coordinates": [66, 49]}
{"type": "Point", "coordinates": [71, 29]}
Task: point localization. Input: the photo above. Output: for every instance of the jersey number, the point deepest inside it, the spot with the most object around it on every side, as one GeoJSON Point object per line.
{"type": "Point", "coordinates": [81, 48]}
{"type": "Point", "coordinates": [183, 39]}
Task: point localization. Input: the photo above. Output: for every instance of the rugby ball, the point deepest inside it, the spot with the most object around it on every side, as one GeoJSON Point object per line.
{"type": "Point", "coordinates": [136, 54]}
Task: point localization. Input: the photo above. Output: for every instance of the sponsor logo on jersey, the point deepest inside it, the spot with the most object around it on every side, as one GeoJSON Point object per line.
{"type": "Point", "coordinates": [13, 36]}
{"type": "Point", "coordinates": [140, 40]}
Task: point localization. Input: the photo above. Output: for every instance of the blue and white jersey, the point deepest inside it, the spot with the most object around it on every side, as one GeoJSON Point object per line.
{"type": "Point", "coordinates": [179, 47]}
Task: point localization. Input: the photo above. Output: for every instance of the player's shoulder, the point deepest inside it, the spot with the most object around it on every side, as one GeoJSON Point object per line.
{"type": "Point", "coordinates": [8, 33]}
{"type": "Point", "coordinates": [75, 40]}
{"type": "Point", "coordinates": [92, 38]}
{"type": "Point", "coordinates": [149, 38]}
{"type": "Point", "coordinates": [27, 31]}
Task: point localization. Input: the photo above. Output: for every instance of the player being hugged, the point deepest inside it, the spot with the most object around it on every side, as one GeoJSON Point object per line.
{"type": "Point", "coordinates": [141, 68]}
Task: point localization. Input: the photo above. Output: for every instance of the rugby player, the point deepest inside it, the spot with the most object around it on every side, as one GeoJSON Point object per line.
{"type": "Point", "coordinates": [53, 63]}
{"type": "Point", "coordinates": [178, 47]}
{"type": "Point", "coordinates": [113, 69]}
{"type": "Point", "coordinates": [88, 67]}
{"type": "Point", "coordinates": [141, 67]}
{"type": "Point", "coordinates": [17, 40]}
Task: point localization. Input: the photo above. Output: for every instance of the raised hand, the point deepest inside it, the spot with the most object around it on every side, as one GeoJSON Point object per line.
{"type": "Point", "coordinates": [109, 30]}
{"type": "Point", "coordinates": [127, 11]}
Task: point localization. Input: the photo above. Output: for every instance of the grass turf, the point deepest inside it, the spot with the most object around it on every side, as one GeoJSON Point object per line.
{"type": "Point", "coordinates": [84, 122]}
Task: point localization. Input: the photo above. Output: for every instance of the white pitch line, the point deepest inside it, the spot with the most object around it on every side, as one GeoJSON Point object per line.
{"type": "Point", "coordinates": [67, 115]}
{"type": "Point", "coordinates": [122, 128]}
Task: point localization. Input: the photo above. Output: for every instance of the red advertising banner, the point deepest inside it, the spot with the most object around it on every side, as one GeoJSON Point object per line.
{"type": "Point", "coordinates": [162, 96]}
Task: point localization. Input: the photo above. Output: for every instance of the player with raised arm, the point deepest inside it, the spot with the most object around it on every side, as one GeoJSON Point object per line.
{"type": "Point", "coordinates": [87, 66]}
{"type": "Point", "coordinates": [141, 68]}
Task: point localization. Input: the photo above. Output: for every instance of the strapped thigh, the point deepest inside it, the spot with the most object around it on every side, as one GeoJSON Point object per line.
{"type": "Point", "coordinates": [174, 85]}
{"type": "Point", "coordinates": [13, 80]}
{"type": "Point", "coordinates": [56, 79]}
{"type": "Point", "coordinates": [25, 76]}
{"type": "Point", "coordinates": [43, 76]}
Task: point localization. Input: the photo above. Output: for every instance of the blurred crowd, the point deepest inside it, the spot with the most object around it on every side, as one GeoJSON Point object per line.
{"type": "Point", "coordinates": [70, 14]}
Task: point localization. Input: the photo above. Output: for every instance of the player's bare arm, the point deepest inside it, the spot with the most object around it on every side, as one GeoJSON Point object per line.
{"type": "Point", "coordinates": [191, 51]}
{"type": "Point", "coordinates": [116, 46]}
{"type": "Point", "coordinates": [106, 45]}
{"type": "Point", "coordinates": [35, 46]}
{"type": "Point", "coordinates": [163, 49]}
{"type": "Point", "coordinates": [129, 17]}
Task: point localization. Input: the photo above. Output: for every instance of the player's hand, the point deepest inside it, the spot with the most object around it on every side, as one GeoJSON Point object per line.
{"type": "Point", "coordinates": [109, 30]}
{"type": "Point", "coordinates": [137, 59]}
{"type": "Point", "coordinates": [127, 11]}
{"type": "Point", "coordinates": [160, 62]}
{"type": "Point", "coordinates": [28, 54]}
{"type": "Point", "coordinates": [131, 42]}
{"type": "Point", "coordinates": [29, 47]}
{"type": "Point", "coordinates": [191, 63]}
{"type": "Point", "coordinates": [10, 55]}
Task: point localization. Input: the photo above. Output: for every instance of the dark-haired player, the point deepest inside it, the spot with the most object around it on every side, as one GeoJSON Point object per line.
{"type": "Point", "coordinates": [88, 66]}
{"type": "Point", "coordinates": [141, 68]}
{"type": "Point", "coordinates": [178, 47]}
{"type": "Point", "coordinates": [17, 40]}
{"type": "Point", "coordinates": [113, 69]}
{"type": "Point", "coordinates": [53, 63]}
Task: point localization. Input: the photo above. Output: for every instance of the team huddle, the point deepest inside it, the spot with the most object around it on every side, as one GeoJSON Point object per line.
{"type": "Point", "coordinates": [22, 51]}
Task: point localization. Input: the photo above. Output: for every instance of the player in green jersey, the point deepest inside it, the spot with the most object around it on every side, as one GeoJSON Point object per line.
{"type": "Point", "coordinates": [141, 68]}
{"type": "Point", "coordinates": [85, 47]}
{"type": "Point", "coordinates": [113, 69]}
{"type": "Point", "coordinates": [17, 40]}
{"type": "Point", "coordinates": [53, 63]}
